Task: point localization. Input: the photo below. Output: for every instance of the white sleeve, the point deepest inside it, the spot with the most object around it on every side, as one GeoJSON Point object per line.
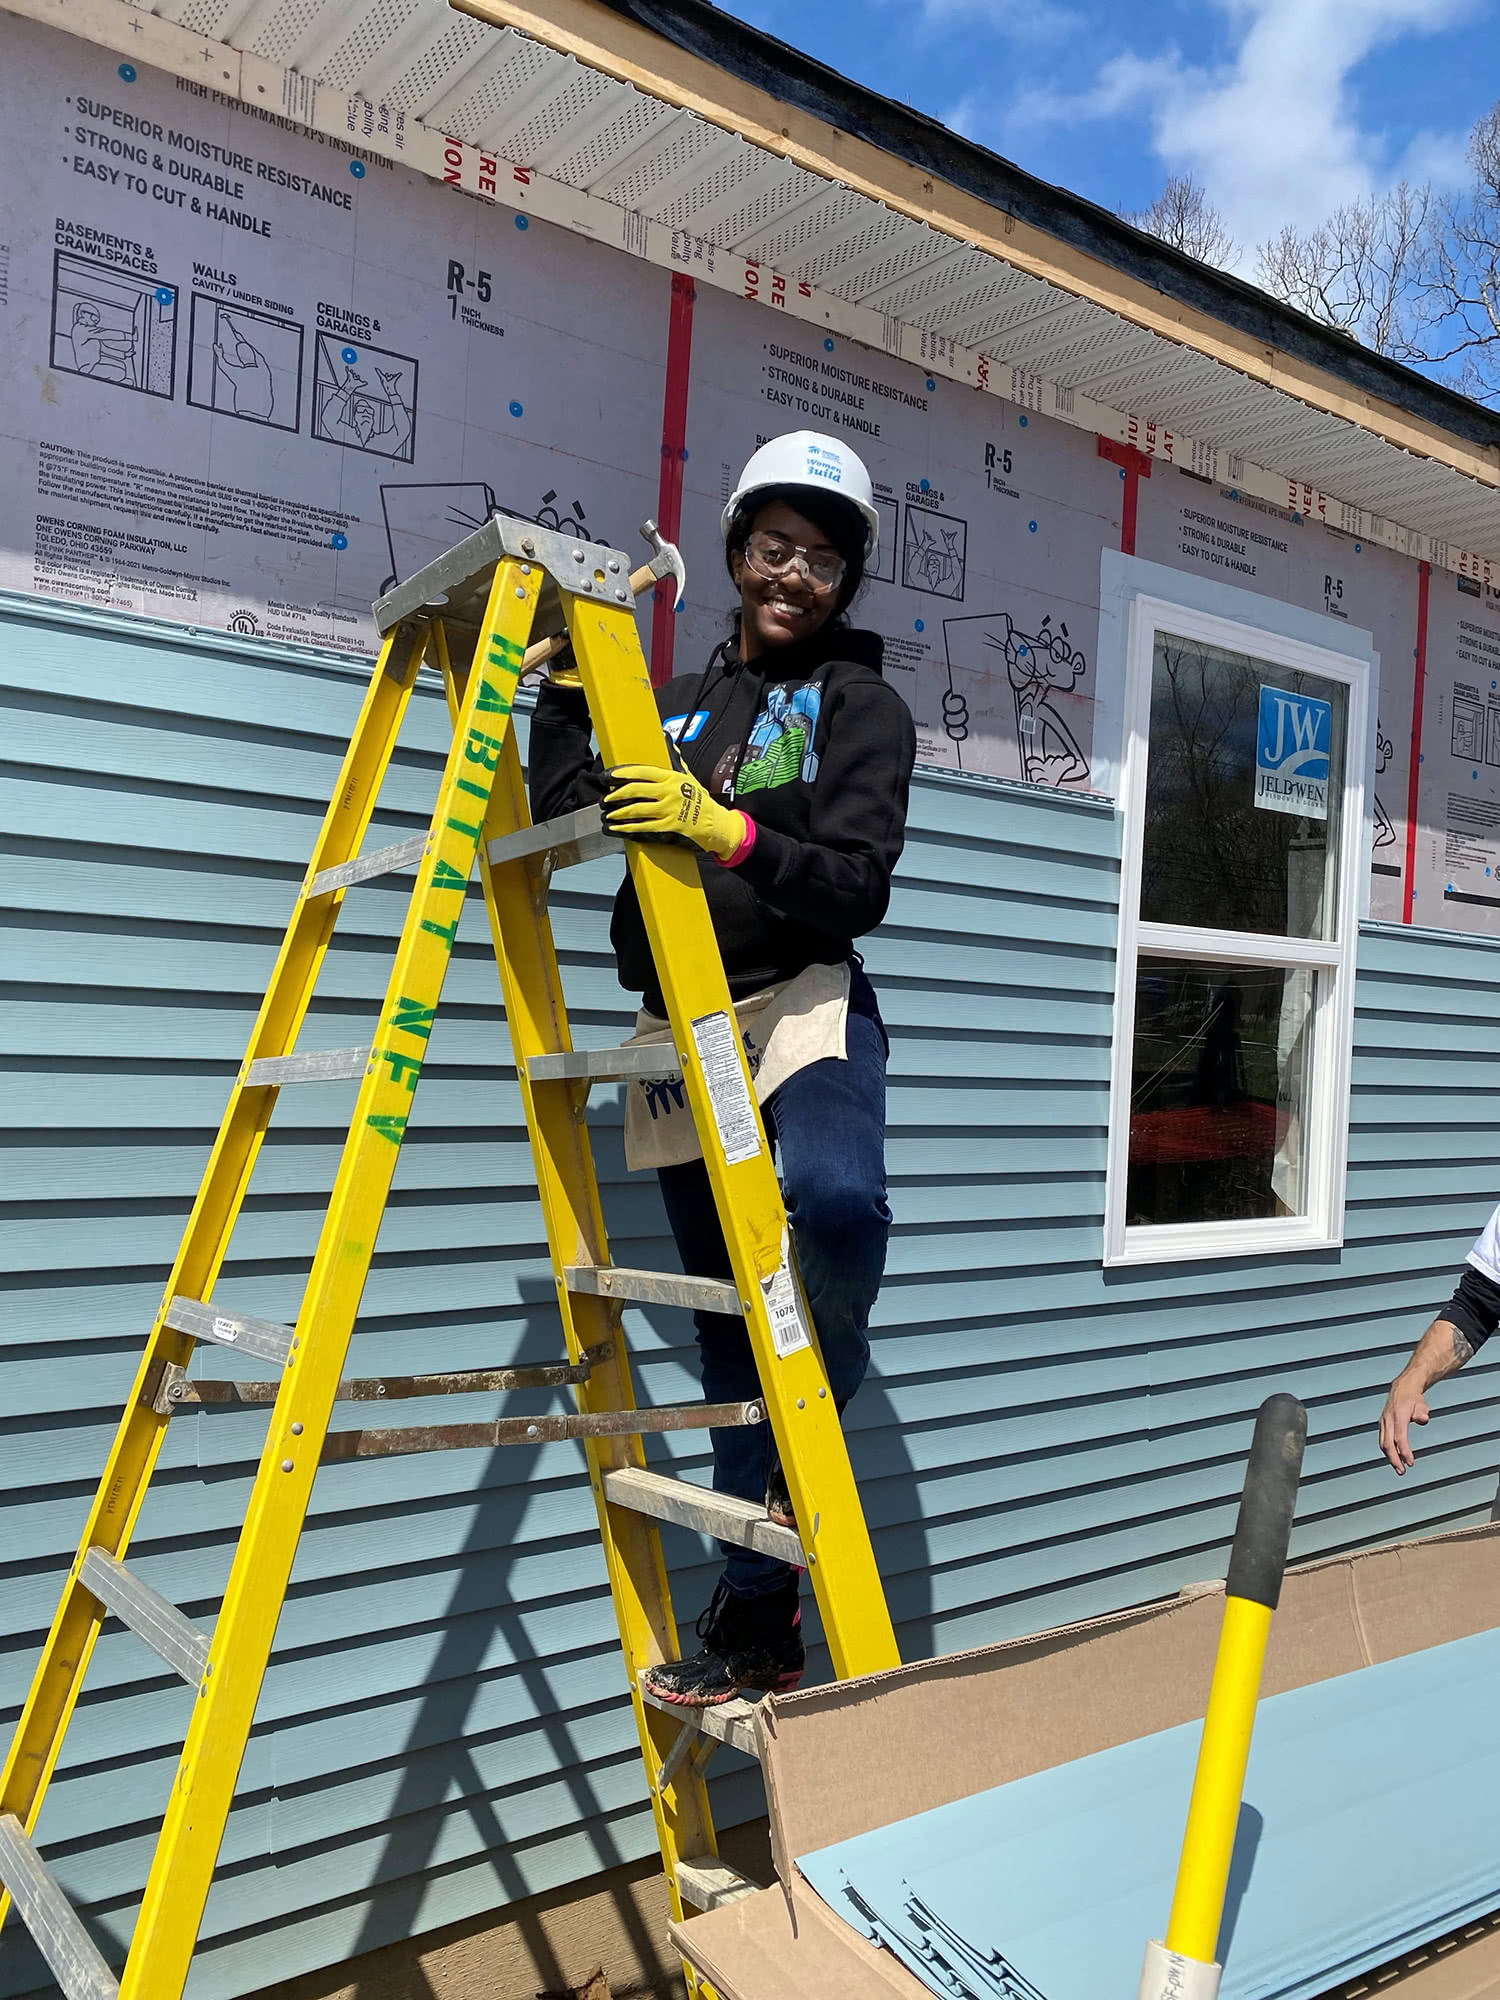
{"type": "Point", "coordinates": [1485, 1256]}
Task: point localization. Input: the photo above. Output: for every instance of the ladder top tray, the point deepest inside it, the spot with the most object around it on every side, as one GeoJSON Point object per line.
{"type": "Point", "coordinates": [458, 583]}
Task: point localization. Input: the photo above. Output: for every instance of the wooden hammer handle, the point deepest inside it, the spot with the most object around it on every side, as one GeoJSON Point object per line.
{"type": "Point", "coordinates": [548, 649]}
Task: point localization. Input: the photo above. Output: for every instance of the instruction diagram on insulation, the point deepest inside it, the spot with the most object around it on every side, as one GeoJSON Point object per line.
{"type": "Point", "coordinates": [1458, 846]}
{"type": "Point", "coordinates": [245, 362]}
{"type": "Point", "coordinates": [985, 584]}
{"type": "Point", "coordinates": [933, 553]}
{"type": "Point", "coordinates": [112, 326]}
{"type": "Point", "coordinates": [251, 376]}
{"type": "Point", "coordinates": [1044, 670]}
{"type": "Point", "coordinates": [365, 398]}
{"type": "Point", "coordinates": [1214, 530]}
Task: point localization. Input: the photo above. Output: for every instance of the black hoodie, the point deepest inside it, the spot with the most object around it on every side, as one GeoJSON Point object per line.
{"type": "Point", "coordinates": [811, 744]}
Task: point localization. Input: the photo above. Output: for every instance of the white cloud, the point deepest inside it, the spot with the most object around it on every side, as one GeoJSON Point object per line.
{"type": "Point", "coordinates": [1272, 133]}
{"type": "Point", "coordinates": [1441, 157]}
{"type": "Point", "coordinates": [1041, 23]}
{"type": "Point", "coordinates": [968, 118]}
{"type": "Point", "coordinates": [1124, 84]}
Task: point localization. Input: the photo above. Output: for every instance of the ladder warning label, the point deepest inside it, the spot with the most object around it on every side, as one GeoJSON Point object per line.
{"type": "Point", "coordinates": [784, 1310]}
{"type": "Point", "coordinates": [728, 1093]}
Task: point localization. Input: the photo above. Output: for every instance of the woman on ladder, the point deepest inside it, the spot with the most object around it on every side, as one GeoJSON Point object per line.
{"type": "Point", "coordinates": [796, 761]}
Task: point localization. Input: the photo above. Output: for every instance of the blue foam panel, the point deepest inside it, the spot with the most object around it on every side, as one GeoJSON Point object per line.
{"type": "Point", "coordinates": [1370, 1825]}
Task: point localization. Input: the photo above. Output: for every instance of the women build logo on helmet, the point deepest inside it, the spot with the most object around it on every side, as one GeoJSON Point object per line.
{"type": "Point", "coordinates": [1293, 753]}
{"type": "Point", "coordinates": [824, 463]}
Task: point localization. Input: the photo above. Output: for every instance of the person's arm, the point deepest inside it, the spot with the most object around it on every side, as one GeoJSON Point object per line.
{"type": "Point", "coordinates": [563, 773]}
{"type": "Point", "coordinates": [336, 406]}
{"type": "Point", "coordinates": [838, 880]}
{"type": "Point", "coordinates": [400, 415]}
{"type": "Point", "coordinates": [1455, 1336]}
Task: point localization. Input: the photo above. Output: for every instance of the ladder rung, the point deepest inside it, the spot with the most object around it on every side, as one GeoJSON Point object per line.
{"type": "Point", "coordinates": [170, 1636]}
{"type": "Point", "coordinates": [652, 1288]}
{"type": "Point", "coordinates": [182, 1393]}
{"type": "Point", "coordinates": [261, 1337]}
{"type": "Point", "coordinates": [76, 1962]}
{"type": "Point", "coordinates": [322, 1066]}
{"type": "Point", "coordinates": [343, 1445]}
{"type": "Point", "coordinates": [606, 1065]}
{"type": "Point", "coordinates": [731, 1722]}
{"type": "Point", "coordinates": [717, 1514]}
{"type": "Point", "coordinates": [383, 861]}
{"type": "Point", "coordinates": [709, 1883]}
{"type": "Point", "coordinates": [567, 840]}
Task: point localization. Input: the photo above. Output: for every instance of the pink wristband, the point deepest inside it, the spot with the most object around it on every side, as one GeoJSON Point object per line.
{"type": "Point", "coordinates": [734, 860]}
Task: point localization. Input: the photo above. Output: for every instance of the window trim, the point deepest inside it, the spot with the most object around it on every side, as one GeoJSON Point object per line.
{"type": "Point", "coordinates": [1322, 1228]}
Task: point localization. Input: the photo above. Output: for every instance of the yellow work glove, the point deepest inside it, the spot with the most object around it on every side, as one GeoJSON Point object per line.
{"type": "Point", "coordinates": [650, 803]}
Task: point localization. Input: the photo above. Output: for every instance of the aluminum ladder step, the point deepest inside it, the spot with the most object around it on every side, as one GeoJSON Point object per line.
{"type": "Point", "coordinates": [77, 1964]}
{"type": "Point", "coordinates": [709, 1883]}
{"type": "Point", "coordinates": [401, 854]}
{"type": "Point", "coordinates": [179, 1391]}
{"type": "Point", "coordinates": [652, 1288]}
{"type": "Point", "coordinates": [261, 1337]}
{"type": "Point", "coordinates": [341, 1446]}
{"type": "Point", "coordinates": [321, 1066]}
{"type": "Point", "coordinates": [717, 1514]}
{"type": "Point", "coordinates": [565, 841]}
{"type": "Point", "coordinates": [731, 1722]}
{"type": "Point", "coordinates": [170, 1636]}
{"type": "Point", "coordinates": [624, 1064]}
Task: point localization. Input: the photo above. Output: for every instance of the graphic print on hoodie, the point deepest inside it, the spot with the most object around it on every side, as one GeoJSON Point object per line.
{"type": "Point", "coordinates": [811, 744]}
{"type": "Point", "coordinates": [779, 746]}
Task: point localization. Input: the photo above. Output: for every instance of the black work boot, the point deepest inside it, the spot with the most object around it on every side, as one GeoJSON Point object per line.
{"type": "Point", "coordinates": [750, 1645]}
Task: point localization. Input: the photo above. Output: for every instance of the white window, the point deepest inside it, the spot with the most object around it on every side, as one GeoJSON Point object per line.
{"type": "Point", "coordinates": [1234, 995]}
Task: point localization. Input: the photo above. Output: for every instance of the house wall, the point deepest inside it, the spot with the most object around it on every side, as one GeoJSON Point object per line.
{"type": "Point", "coordinates": [443, 1730]}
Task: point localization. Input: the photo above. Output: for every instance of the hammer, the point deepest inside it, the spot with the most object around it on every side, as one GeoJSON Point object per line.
{"type": "Point", "coordinates": [666, 561]}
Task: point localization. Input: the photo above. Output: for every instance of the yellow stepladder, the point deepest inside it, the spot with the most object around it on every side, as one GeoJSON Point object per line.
{"type": "Point", "coordinates": [470, 615]}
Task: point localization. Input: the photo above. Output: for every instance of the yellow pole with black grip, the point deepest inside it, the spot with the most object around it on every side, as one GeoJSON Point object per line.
{"type": "Point", "coordinates": [1183, 1967]}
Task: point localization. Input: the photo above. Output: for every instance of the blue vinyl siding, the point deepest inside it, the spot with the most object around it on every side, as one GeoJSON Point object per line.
{"type": "Point", "coordinates": [443, 1727]}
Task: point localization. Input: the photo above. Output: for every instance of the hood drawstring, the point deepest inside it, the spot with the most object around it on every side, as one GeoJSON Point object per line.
{"type": "Point", "coordinates": [721, 656]}
{"type": "Point", "coordinates": [674, 756]}
{"type": "Point", "coordinates": [725, 646]}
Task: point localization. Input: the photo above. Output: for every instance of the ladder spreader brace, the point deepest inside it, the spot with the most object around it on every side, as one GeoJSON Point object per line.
{"type": "Point", "coordinates": [471, 615]}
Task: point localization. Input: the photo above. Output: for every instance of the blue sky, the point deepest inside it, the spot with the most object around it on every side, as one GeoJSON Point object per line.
{"type": "Point", "coordinates": [1281, 108]}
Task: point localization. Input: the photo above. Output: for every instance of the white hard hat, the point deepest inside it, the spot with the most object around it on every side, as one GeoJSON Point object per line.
{"type": "Point", "coordinates": [808, 458]}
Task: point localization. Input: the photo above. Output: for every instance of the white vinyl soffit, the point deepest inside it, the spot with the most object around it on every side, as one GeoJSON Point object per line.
{"type": "Point", "coordinates": [509, 119]}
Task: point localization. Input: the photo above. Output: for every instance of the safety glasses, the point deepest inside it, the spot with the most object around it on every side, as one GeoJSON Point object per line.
{"type": "Point", "coordinates": [771, 556]}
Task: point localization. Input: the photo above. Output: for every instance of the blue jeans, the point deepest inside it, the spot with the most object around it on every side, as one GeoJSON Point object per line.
{"type": "Point", "coordinates": [827, 1123]}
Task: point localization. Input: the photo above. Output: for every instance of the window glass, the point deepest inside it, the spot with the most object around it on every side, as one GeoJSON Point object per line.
{"type": "Point", "coordinates": [1244, 790]}
{"type": "Point", "coordinates": [1219, 1092]}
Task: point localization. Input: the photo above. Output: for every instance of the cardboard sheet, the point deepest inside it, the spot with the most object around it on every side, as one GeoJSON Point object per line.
{"type": "Point", "coordinates": [844, 1758]}
{"type": "Point", "coordinates": [1369, 1826]}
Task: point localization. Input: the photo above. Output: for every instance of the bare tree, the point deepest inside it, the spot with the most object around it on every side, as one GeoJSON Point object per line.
{"type": "Point", "coordinates": [1183, 216]}
{"type": "Point", "coordinates": [1359, 271]}
{"type": "Point", "coordinates": [1414, 273]}
{"type": "Point", "coordinates": [1458, 310]}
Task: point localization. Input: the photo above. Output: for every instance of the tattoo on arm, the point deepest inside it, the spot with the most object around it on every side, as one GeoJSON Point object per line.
{"type": "Point", "coordinates": [1463, 1349]}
